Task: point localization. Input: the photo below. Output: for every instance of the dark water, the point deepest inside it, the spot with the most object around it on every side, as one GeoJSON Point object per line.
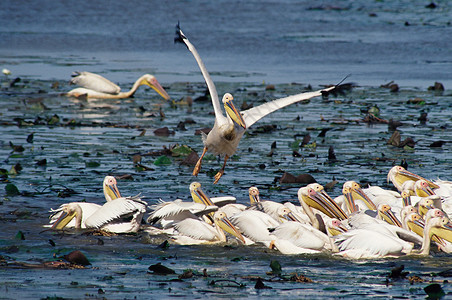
{"type": "Point", "coordinates": [243, 44]}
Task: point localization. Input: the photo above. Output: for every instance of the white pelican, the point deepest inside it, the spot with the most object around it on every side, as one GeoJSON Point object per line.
{"type": "Point", "coordinates": [313, 195]}
{"type": "Point", "coordinates": [98, 87]}
{"type": "Point", "coordinates": [168, 213]}
{"type": "Point", "coordinates": [111, 192]}
{"type": "Point", "coordinates": [398, 175]}
{"type": "Point", "coordinates": [351, 191]}
{"type": "Point", "coordinates": [367, 243]}
{"type": "Point", "coordinates": [195, 231]}
{"type": "Point", "coordinates": [271, 208]}
{"type": "Point", "coordinates": [114, 216]}
{"type": "Point", "coordinates": [117, 215]}
{"type": "Point", "coordinates": [227, 131]}
{"type": "Point", "coordinates": [256, 226]}
{"type": "Point", "coordinates": [436, 226]}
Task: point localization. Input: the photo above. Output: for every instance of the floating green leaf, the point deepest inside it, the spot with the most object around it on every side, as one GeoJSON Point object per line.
{"type": "Point", "coordinates": [276, 267]}
{"type": "Point", "coordinates": [162, 160]}
{"type": "Point", "coordinates": [11, 190]}
{"type": "Point", "coordinates": [20, 235]}
{"type": "Point", "coordinates": [295, 144]}
{"type": "Point", "coordinates": [183, 150]}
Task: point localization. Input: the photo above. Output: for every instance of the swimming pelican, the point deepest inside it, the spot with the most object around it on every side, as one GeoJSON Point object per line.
{"type": "Point", "coordinates": [351, 191]}
{"type": "Point", "coordinates": [256, 226]}
{"type": "Point", "coordinates": [398, 175]}
{"type": "Point", "coordinates": [367, 243]}
{"type": "Point", "coordinates": [111, 192]}
{"type": "Point", "coordinates": [269, 207]}
{"type": "Point", "coordinates": [227, 131]}
{"type": "Point", "coordinates": [114, 216]}
{"type": "Point", "coordinates": [192, 231]}
{"type": "Point", "coordinates": [313, 195]}
{"type": "Point", "coordinates": [117, 215]}
{"type": "Point", "coordinates": [436, 226]}
{"type": "Point", "coordinates": [168, 212]}
{"type": "Point", "coordinates": [98, 87]}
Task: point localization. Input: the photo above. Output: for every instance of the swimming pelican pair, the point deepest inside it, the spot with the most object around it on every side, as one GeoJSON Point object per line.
{"type": "Point", "coordinates": [118, 215]}
{"type": "Point", "coordinates": [224, 137]}
{"type": "Point", "coordinates": [99, 87]}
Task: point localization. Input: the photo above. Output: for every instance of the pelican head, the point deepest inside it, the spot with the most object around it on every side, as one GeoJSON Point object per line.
{"type": "Point", "coordinates": [423, 189]}
{"type": "Point", "coordinates": [223, 222]}
{"type": "Point", "coordinates": [151, 81]}
{"type": "Point", "coordinates": [110, 187]}
{"type": "Point", "coordinates": [232, 112]}
{"type": "Point", "coordinates": [198, 195]}
{"type": "Point", "coordinates": [68, 212]}
{"type": "Point", "coordinates": [335, 227]}
{"type": "Point", "coordinates": [315, 196]}
{"type": "Point", "coordinates": [406, 196]}
{"type": "Point", "coordinates": [398, 175]}
{"type": "Point", "coordinates": [285, 214]}
{"type": "Point", "coordinates": [440, 227]}
{"type": "Point", "coordinates": [352, 190]}
{"type": "Point", "coordinates": [386, 214]}
{"type": "Point", "coordinates": [415, 223]}
{"type": "Point", "coordinates": [424, 205]}
{"type": "Point", "coordinates": [254, 195]}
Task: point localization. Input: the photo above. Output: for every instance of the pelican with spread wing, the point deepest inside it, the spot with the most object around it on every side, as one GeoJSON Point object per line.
{"type": "Point", "coordinates": [227, 131]}
{"type": "Point", "coordinates": [98, 87]}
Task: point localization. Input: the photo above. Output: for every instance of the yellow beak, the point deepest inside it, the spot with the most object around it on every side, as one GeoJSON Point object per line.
{"type": "Point", "coordinates": [234, 114]}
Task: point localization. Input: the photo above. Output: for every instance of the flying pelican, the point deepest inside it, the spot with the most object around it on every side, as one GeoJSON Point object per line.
{"type": "Point", "coordinates": [227, 131]}
{"type": "Point", "coordinates": [119, 215]}
{"type": "Point", "coordinates": [98, 87]}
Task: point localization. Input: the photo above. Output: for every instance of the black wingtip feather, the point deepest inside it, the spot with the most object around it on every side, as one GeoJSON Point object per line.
{"type": "Point", "coordinates": [179, 38]}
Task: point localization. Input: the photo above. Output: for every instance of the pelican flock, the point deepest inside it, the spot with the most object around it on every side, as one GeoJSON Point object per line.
{"type": "Point", "coordinates": [98, 87]}
{"type": "Point", "coordinates": [361, 223]}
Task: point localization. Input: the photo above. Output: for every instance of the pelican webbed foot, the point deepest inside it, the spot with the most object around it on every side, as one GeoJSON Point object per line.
{"type": "Point", "coordinates": [198, 164]}
{"type": "Point", "coordinates": [221, 172]}
{"type": "Point", "coordinates": [218, 176]}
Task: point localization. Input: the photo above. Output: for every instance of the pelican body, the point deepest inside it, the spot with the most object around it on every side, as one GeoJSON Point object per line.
{"type": "Point", "coordinates": [98, 87]}
{"type": "Point", "coordinates": [228, 130]}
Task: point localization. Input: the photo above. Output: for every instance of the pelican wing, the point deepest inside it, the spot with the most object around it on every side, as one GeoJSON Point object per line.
{"type": "Point", "coordinates": [181, 38]}
{"type": "Point", "coordinates": [114, 210]}
{"type": "Point", "coordinates": [94, 82]}
{"type": "Point", "coordinates": [371, 244]}
{"type": "Point", "coordinates": [254, 225]}
{"type": "Point", "coordinates": [301, 235]}
{"type": "Point", "coordinates": [176, 207]}
{"type": "Point", "coordinates": [254, 114]}
{"type": "Point", "coordinates": [196, 229]}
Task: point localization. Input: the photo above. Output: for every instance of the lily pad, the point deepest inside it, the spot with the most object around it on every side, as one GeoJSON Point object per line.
{"type": "Point", "coordinates": [162, 161]}
{"type": "Point", "coordinates": [11, 190]}
{"type": "Point", "coordinates": [182, 150]}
